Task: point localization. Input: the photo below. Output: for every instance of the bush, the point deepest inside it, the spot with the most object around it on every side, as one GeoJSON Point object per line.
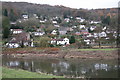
{"type": "Point", "coordinates": [42, 42]}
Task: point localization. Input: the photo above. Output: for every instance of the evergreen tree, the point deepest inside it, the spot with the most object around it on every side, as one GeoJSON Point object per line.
{"type": "Point", "coordinates": [5, 13]}
{"type": "Point", "coordinates": [72, 39]}
{"type": "Point", "coordinates": [12, 15]}
{"type": "Point", "coordinates": [106, 20]}
{"type": "Point", "coordinates": [6, 27]}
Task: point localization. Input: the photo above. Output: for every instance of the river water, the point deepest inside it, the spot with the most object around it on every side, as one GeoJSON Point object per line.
{"type": "Point", "coordinates": [62, 67]}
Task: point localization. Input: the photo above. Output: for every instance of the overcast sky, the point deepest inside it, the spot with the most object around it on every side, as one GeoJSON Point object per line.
{"type": "Point", "coordinates": [90, 4]}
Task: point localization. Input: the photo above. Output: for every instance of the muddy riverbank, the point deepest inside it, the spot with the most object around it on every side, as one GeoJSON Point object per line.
{"type": "Point", "coordinates": [92, 54]}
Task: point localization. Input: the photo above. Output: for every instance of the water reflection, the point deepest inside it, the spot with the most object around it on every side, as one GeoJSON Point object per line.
{"type": "Point", "coordinates": [101, 66]}
{"type": "Point", "coordinates": [13, 63]}
{"type": "Point", "coordinates": [94, 69]}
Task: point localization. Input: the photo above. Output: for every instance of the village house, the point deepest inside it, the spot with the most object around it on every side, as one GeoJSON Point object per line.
{"type": "Point", "coordinates": [82, 20]}
{"type": "Point", "coordinates": [39, 29]}
{"type": "Point", "coordinates": [54, 18]}
{"type": "Point", "coordinates": [53, 41]}
{"type": "Point", "coordinates": [42, 21]}
{"type": "Point", "coordinates": [84, 32]}
{"type": "Point", "coordinates": [25, 16]}
{"type": "Point", "coordinates": [54, 22]}
{"type": "Point", "coordinates": [54, 32]}
{"type": "Point", "coordinates": [67, 20]}
{"type": "Point", "coordinates": [95, 22]}
{"type": "Point", "coordinates": [74, 26]}
{"type": "Point", "coordinates": [16, 31]}
{"type": "Point", "coordinates": [19, 20]}
{"type": "Point", "coordinates": [77, 33]}
{"type": "Point", "coordinates": [103, 34]}
{"type": "Point", "coordinates": [70, 29]}
{"type": "Point", "coordinates": [12, 45]}
{"type": "Point", "coordinates": [104, 28]}
{"type": "Point", "coordinates": [38, 33]}
{"type": "Point", "coordinates": [64, 41]}
{"type": "Point", "coordinates": [57, 25]}
{"type": "Point", "coordinates": [87, 41]}
{"type": "Point", "coordinates": [95, 35]}
{"type": "Point", "coordinates": [92, 28]}
{"type": "Point", "coordinates": [89, 35]}
{"type": "Point", "coordinates": [19, 40]}
{"type": "Point", "coordinates": [90, 41]}
{"type": "Point", "coordinates": [12, 23]}
{"type": "Point", "coordinates": [35, 15]}
{"type": "Point", "coordinates": [78, 18]}
{"type": "Point", "coordinates": [82, 26]}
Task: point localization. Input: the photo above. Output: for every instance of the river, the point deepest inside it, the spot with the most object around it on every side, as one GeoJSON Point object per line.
{"type": "Point", "coordinates": [62, 67]}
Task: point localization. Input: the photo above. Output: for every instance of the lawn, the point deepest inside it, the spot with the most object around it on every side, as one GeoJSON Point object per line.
{"type": "Point", "coordinates": [13, 74]}
{"type": "Point", "coordinates": [18, 73]}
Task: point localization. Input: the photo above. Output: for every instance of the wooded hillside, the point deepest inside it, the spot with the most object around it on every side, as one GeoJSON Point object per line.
{"type": "Point", "coordinates": [47, 10]}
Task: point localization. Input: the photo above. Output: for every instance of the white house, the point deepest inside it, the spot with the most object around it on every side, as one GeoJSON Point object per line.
{"type": "Point", "coordinates": [74, 26]}
{"type": "Point", "coordinates": [87, 41]}
{"type": "Point", "coordinates": [64, 41]}
{"type": "Point", "coordinates": [102, 34]}
{"type": "Point", "coordinates": [77, 33]}
{"type": "Point", "coordinates": [54, 32]}
{"type": "Point", "coordinates": [67, 19]}
{"type": "Point", "coordinates": [89, 35]}
{"type": "Point", "coordinates": [12, 45]}
{"type": "Point", "coordinates": [82, 20]}
{"type": "Point", "coordinates": [16, 31]}
{"type": "Point", "coordinates": [39, 30]}
{"type": "Point", "coordinates": [78, 18]}
{"type": "Point", "coordinates": [92, 28]}
{"type": "Point", "coordinates": [95, 22]}
{"type": "Point", "coordinates": [35, 15]}
{"type": "Point", "coordinates": [42, 21]}
{"type": "Point", "coordinates": [56, 25]}
{"type": "Point", "coordinates": [13, 23]}
{"type": "Point", "coordinates": [104, 28]}
{"type": "Point", "coordinates": [25, 16]}
{"type": "Point", "coordinates": [32, 45]}
{"type": "Point", "coordinates": [38, 33]}
{"type": "Point", "coordinates": [82, 26]}
{"type": "Point", "coordinates": [96, 35]}
{"type": "Point", "coordinates": [53, 41]}
{"type": "Point", "coordinates": [54, 22]}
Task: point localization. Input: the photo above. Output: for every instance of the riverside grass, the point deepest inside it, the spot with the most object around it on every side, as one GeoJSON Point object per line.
{"type": "Point", "coordinates": [18, 73]}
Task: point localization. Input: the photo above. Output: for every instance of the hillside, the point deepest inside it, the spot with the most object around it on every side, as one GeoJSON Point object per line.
{"type": "Point", "coordinates": [40, 9]}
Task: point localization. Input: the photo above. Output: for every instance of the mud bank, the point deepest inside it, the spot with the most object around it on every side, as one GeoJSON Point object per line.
{"type": "Point", "coordinates": [113, 54]}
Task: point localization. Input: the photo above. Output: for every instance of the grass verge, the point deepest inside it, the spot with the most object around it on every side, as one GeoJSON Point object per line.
{"type": "Point", "coordinates": [108, 49]}
{"type": "Point", "coordinates": [18, 73]}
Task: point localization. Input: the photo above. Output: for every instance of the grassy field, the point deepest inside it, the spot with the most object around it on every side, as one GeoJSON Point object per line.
{"type": "Point", "coordinates": [107, 49]}
{"type": "Point", "coordinates": [18, 73]}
